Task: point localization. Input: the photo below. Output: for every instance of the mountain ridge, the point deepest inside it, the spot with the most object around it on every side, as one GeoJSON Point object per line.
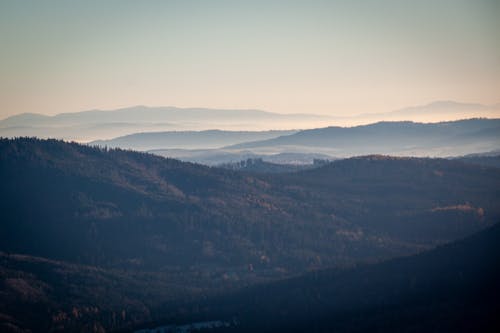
{"type": "Point", "coordinates": [146, 114]}
{"type": "Point", "coordinates": [187, 139]}
{"type": "Point", "coordinates": [81, 125]}
{"type": "Point", "coordinates": [389, 137]}
{"type": "Point", "coordinates": [92, 125]}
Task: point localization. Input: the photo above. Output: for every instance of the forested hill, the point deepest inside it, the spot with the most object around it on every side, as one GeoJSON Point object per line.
{"type": "Point", "coordinates": [108, 207]}
{"type": "Point", "coordinates": [453, 288]}
{"type": "Point", "coordinates": [201, 229]}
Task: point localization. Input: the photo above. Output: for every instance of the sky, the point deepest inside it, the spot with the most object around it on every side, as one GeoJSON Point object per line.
{"type": "Point", "coordinates": [335, 58]}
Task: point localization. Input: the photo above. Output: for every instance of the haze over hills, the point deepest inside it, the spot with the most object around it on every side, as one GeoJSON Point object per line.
{"type": "Point", "coordinates": [396, 138]}
{"type": "Point", "coordinates": [187, 139]}
{"type": "Point", "coordinates": [249, 166]}
{"type": "Point", "coordinates": [453, 138]}
{"type": "Point", "coordinates": [446, 139]}
{"type": "Point", "coordinates": [98, 124]}
{"type": "Point", "coordinates": [216, 157]}
{"type": "Point", "coordinates": [115, 239]}
{"type": "Point", "coordinates": [437, 111]}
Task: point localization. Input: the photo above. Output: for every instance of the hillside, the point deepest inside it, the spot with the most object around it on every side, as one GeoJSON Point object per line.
{"type": "Point", "coordinates": [41, 295]}
{"type": "Point", "coordinates": [453, 288]}
{"type": "Point", "coordinates": [214, 157]}
{"type": "Point", "coordinates": [201, 230]}
{"type": "Point", "coordinates": [158, 211]}
{"type": "Point", "coordinates": [486, 160]}
{"type": "Point", "coordinates": [258, 165]}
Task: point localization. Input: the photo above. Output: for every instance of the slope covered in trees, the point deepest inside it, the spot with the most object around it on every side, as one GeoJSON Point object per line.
{"type": "Point", "coordinates": [201, 230]}
{"type": "Point", "coordinates": [112, 207]}
{"type": "Point", "coordinates": [453, 288]}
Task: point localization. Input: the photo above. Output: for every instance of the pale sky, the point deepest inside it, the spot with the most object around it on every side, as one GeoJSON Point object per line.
{"type": "Point", "coordinates": [325, 57]}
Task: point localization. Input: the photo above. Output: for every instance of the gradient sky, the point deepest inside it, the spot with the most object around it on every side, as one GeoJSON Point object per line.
{"type": "Point", "coordinates": [325, 57]}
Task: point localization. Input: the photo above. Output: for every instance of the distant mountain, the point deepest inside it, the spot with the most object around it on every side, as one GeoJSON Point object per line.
{"type": "Point", "coordinates": [400, 138]}
{"type": "Point", "coordinates": [91, 125]}
{"type": "Point", "coordinates": [98, 124]}
{"type": "Point", "coordinates": [439, 109]}
{"type": "Point", "coordinates": [148, 115]}
{"type": "Point", "coordinates": [433, 112]}
{"type": "Point", "coordinates": [187, 139]}
{"type": "Point", "coordinates": [83, 133]}
{"type": "Point", "coordinates": [79, 223]}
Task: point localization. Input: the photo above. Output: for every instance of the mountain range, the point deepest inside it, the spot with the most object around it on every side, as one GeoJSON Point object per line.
{"type": "Point", "coordinates": [437, 111]}
{"type": "Point", "coordinates": [187, 139]}
{"type": "Point", "coordinates": [450, 138]}
{"type": "Point", "coordinates": [443, 139]}
{"type": "Point", "coordinates": [91, 125]}
{"type": "Point", "coordinates": [98, 124]}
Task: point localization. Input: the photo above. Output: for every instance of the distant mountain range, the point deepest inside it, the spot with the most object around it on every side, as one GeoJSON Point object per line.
{"type": "Point", "coordinates": [97, 124]}
{"type": "Point", "coordinates": [454, 138]}
{"type": "Point", "coordinates": [187, 139]}
{"type": "Point", "coordinates": [91, 125]}
{"type": "Point", "coordinates": [396, 138]}
{"type": "Point", "coordinates": [435, 112]}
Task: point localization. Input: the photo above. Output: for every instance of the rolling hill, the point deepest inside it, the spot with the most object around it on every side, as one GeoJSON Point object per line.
{"type": "Point", "coordinates": [453, 288]}
{"type": "Point", "coordinates": [111, 207]}
{"type": "Point", "coordinates": [120, 219]}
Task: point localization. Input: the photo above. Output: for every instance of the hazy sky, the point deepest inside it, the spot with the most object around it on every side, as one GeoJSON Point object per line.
{"type": "Point", "coordinates": [326, 57]}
